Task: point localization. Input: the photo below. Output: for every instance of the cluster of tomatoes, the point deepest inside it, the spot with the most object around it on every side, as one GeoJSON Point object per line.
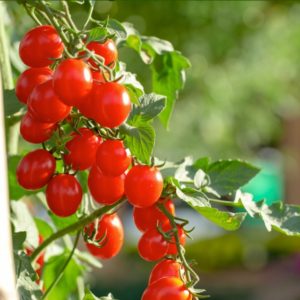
{"type": "Point", "coordinates": [54, 89]}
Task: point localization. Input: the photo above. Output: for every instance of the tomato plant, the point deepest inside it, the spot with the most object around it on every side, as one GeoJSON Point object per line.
{"type": "Point", "coordinates": [94, 122]}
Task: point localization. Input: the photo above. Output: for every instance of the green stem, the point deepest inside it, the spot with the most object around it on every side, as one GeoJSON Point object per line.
{"type": "Point", "coordinates": [75, 226]}
{"type": "Point", "coordinates": [57, 279]}
{"type": "Point", "coordinates": [89, 16]}
{"type": "Point", "coordinates": [191, 275]}
{"type": "Point", "coordinates": [69, 17]}
{"type": "Point", "coordinates": [227, 203]}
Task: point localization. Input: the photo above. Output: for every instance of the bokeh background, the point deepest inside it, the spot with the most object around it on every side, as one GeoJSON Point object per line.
{"type": "Point", "coordinates": [242, 99]}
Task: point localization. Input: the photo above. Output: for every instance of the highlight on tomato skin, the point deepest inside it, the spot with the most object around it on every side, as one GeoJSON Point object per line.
{"type": "Point", "coordinates": [35, 169]}
{"type": "Point", "coordinates": [111, 233]}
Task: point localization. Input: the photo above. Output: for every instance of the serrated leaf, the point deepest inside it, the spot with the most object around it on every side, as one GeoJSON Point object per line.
{"type": "Point", "coordinates": [150, 105]}
{"type": "Point", "coordinates": [278, 216]}
{"type": "Point", "coordinates": [97, 34]}
{"type": "Point", "coordinates": [18, 240]}
{"type": "Point", "coordinates": [139, 138]}
{"type": "Point", "coordinates": [44, 228]}
{"type": "Point", "coordinates": [67, 284]}
{"type": "Point", "coordinates": [133, 86]}
{"type": "Point", "coordinates": [23, 221]}
{"type": "Point", "coordinates": [227, 176]}
{"type": "Point", "coordinates": [227, 220]}
{"type": "Point", "coordinates": [201, 163]}
{"type": "Point", "coordinates": [11, 103]}
{"type": "Point", "coordinates": [168, 77]}
{"type": "Point", "coordinates": [117, 28]}
{"type": "Point", "coordinates": [23, 265]}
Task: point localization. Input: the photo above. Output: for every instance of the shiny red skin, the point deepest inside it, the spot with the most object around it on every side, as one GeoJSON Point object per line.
{"type": "Point", "coordinates": [105, 189]}
{"type": "Point", "coordinates": [107, 50]}
{"type": "Point", "coordinates": [64, 195]}
{"type": "Point", "coordinates": [152, 216]}
{"type": "Point", "coordinates": [167, 288]}
{"type": "Point", "coordinates": [98, 76]}
{"type": "Point", "coordinates": [34, 131]}
{"type": "Point", "coordinates": [82, 149]}
{"type": "Point", "coordinates": [29, 79]}
{"type": "Point", "coordinates": [72, 81]}
{"type": "Point", "coordinates": [113, 158]}
{"type": "Point", "coordinates": [45, 105]}
{"type": "Point", "coordinates": [165, 268]}
{"type": "Point", "coordinates": [111, 227]}
{"type": "Point", "coordinates": [35, 169]}
{"type": "Point", "coordinates": [110, 104]}
{"type": "Point", "coordinates": [40, 46]}
{"type": "Point", "coordinates": [152, 245]}
{"type": "Point", "coordinates": [143, 186]}
{"type": "Point", "coordinates": [172, 249]}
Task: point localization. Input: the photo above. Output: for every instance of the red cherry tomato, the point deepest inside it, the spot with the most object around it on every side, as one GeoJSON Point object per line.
{"type": "Point", "coordinates": [98, 76]}
{"type": "Point", "coordinates": [143, 186]}
{"type": "Point", "coordinates": [168, 288]}
{"type": "Point", "coordinates": [111, 229]}
{"type": "Point", "coordinates": [105, 189]}
{"type": "Point", "coordinates": [29, 79]}
{"type": "Point", "coordinates": [172, 250]}
{"type": "Point", "coordinates": [152, 245]}
{"type": "Point", "coordinates": [40, 46]}
{"type": "Point", "coordinates": [110, 103]}
{"type": "Point", "coordinates": [82, 149]}
{"type": "Point", "coordinates": [113, 158]}
{"type": "Point", "coordinates": [63, 195]}
{"type": "Point", "coordinates": [72, 81]}
{"type": "Point", "coordinates": [45, 106]}
{"type": "Point", "coordinates": [35, 169]}
{"type": "Point", "coordinates": [165, 268]}
{"type": "Point", "coordinates": [107, 50]}
{"type": "Point", "coordinates": [150, 217]}
{"type": "Point", "coordinates": [34, 131]}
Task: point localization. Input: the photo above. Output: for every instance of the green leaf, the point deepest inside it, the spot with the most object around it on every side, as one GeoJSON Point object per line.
{"type": "Point", "coordinates": [67, 284]}
{"type": "Point", "coordinates": [139, 138]}
{"type": "Point", "coordinates": [202, 163]}
{"type": "Point", "coordinates": [15, 190]}
{"type": "Point", "coordinates": [11, 103]}
{"type": "Point", "coordinates": [97, 34]}
{"type": "Point", "coordinates": [117, 28]}
{"type": "Point", "coordinates": [90, 296]}
{"type": "Point", "coordinates": [150, 105]}
{"type": "Point", "coordinates": [185, 172]}
{"type": "Point", "coordinates": [227, 220]}
{"type": "Point", "coordinates": [168, 77]}
{"type": "Point", "coordinates": [44, 228]}
{"type": "Point", "coordinates": [27, 288]}
{"type": "Point", "coordinates": [278, 216]}
{"type": "Point", "coordinates": [18, 240]}
{"type": "Point", "coordinates": [23, 221]}
{"type": "Point", "coordinates": [227, 176]}
{"type": "Point", "coordinates": [60, 222]}
{"type": "Point", "coordinates": [133, 86]}
{"type": "Point", "coordinates": [83, 179]}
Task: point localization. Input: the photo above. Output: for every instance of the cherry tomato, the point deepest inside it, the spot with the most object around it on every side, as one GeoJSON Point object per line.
{"type": "Point", "coordinates": [150, 217]}
{"type": "Point", "coordinates": [143, 186]}
{"type": "Point", "coordinates": [82, 149]}
{"type": "Point", "coordinates": [98, 76]}
{"type": "Point", "coordinates": [34, 131]}
{"type": "Point", "coordinates": [72, 81]}
{"type": "Point", "coordinates": [35, 169]}
{"type": "Point", "coordinates": [63, 195]}
{"type": "Point", "coordinates": [29, 79]}
{"type": "Point", "coordinates": [105, 189]}
{"type": "Point", "coordinates": [85, 108]}
{"type": "Point", "coordinates": [152, 245]}
{"type": "Point", "coordinates": [167, 288]}
{"type": "Point", "coordinates": [172, 250]}
{"type": "Point", "coordinates": [110, 103]}
{"type": "Point", "coordinates": [107, 50]}
{"type": "Point", "coordinates": [40, 46]}
{"type": "Point", "coordinates": [45, 106]}
{"type": "Point", "coordinates": [113, 158]}
{"type": "Point", "coordinates": [165, 268]}
{"type": "Point", "coordinates": [111, 229]}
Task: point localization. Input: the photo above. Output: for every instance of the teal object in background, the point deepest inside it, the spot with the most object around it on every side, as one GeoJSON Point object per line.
{"type": "Point", "coordinates": [268, 184]}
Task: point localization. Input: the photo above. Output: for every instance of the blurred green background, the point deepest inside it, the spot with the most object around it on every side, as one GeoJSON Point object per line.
{"type": "Point", "coordinates": [241, 100]}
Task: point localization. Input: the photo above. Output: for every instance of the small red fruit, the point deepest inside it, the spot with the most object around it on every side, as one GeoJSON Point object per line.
{"type": "Point", "coordinates": [105, 189]}
{"type": "Point", "coordinates": [63, 195]}
{"type": "Point", "coordinates": [29, 79]}
{"type": "Point", "coordinates": [110, 229]}
{"type": "Point", "coordinates": [143, 186]}
{"type": "Point", "coordinates": [35, 169]}
{"type": "Point", "coordinates": [82, 149]}
{"type": "Point", "coordinates": [172, 250]}
{"type": "Point", "coordinates": [40, 46]}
